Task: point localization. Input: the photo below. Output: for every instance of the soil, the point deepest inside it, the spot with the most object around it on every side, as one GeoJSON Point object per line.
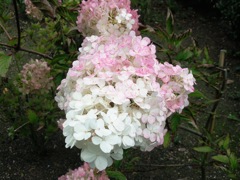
{"type": "Point", "coordinates": [19, 161]}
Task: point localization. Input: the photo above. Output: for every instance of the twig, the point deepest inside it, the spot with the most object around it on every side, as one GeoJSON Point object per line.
{"type": "Point", "coordinates": [8, 35]}
{"type": "Point", "coordinates": [15, 130]}
{"type": "Point", "coordinates": [211, 119]}
{"type": "Point", "coordinates": [27, 50]}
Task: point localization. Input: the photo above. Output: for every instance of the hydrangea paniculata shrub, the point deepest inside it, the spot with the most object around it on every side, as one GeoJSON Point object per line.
{"type": "Point", "coordinates": [105, 17]}
{"type": "Point", "coordinates": [117, 96]}
{"type": "Point", "coordinates": [84, 173]}
{"type": "Point", "coordinates": [35, 77]}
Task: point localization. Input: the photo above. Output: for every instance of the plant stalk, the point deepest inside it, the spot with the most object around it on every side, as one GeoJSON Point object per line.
{"type": "Point", "coordinates": [210, 125]}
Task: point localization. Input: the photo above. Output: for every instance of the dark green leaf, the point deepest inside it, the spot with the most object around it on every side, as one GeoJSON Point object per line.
{"type": "Point", "coordinates": [32, 116]}
{"type": "Point", "coordinates": [184, 55]}
{"type": "Point", "coordinates": [203, 149]}
{"type": "Point", "coordinates": [13, 41]}
{"type": "Point", "coordinates": [184, 35]}
{"type": "Point", "coordinates": [169, 22]}
{"type": "Point", "coordinates": [4, 64]}
{"type": "Point", "coordinates": [167, 140]}
{"type": "Point", "coordinates": [197, 94]}
{"type": "Point", "coordinates": [51, 128]}
{"type": "Point", "coordinates": [233, 117]}
{"type": "Point", "coordinates": [221, 158]}
{"type": "Point", "coordinates": [58, 78]}
{"type": "Point", "coordinates": [226, 142]}
{"type": "Point", "coordinates": [175, 122]}
{"type": "Point", "coordinates": [233, 161]}
{"type": "Point", "coordinates": [116, 175]}
{"type": "Point", "coordinates": [57, 58]}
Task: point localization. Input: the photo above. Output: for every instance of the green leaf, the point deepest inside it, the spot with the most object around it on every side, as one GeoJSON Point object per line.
{"type": "Point", "coordinates": [58, 78]}
{"type": "Point", "coordinates": [116, 175]}
{"type": "Point", "coordinates": [51, 128]}
{"type": "Point", "coordinates": [169, 22]}
{"type": "Point", "coordinates": [184, 35]}
{"type": "Point", "coordinates": [184, 55]}
{"type": "Point", "coordinates": [32, 116]}
{"type": "Point", "coordinates": [226, 142]}
{"type": "Point", "coordinates": [203, 149]}
{"type": "Point", "coordinates": [233, 117]}
{"type": "Point", "coordinates": [57, 58]}
{"type": "Point", "coordinates": [4, 64]}
{"type": "Point", "coordinates": [13, 41]}
{"type": "Point", "coordinates": [206, 59]}
{"type": "Point", "coordinates": [221, 158]}
{"type": "Point", "coordinates": [233, 161]}
{"type": "Point", "coordinates": [167, 140]}
{"type": "Point", "coordinates": [197, 94]}
{"type": "Point", "coordinates": [175, 122]}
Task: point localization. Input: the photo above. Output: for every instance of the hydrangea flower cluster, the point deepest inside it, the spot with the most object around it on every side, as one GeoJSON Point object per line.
{"type": "Point", "coordinates": [117, 96]}
{"type": "Point", "coordinates": [105, 17]}
{"type": "Point", "coordinates": [35, 77]}
{"type": "Point", "coordinates": [84, 172]}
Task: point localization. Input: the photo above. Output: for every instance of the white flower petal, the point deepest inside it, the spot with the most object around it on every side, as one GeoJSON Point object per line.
{"type": "Point", "coordinates": [119, 125]}
{"type": "Point", "coordinates": [96, 140]}
{"type": "Point", "coordinates": [113, 139]}
{"type": "Point", "coordinates": [88, 156]}
{"type": "Point", "coordinates": [101, 163]}
{"type": "Point", "coordinates": [106, 132]}
{"type": "Point", "coordinates": [127, 141]}
{"type": "Point", "coordinates": [106, 147]}
{"type": "Point", "coordinates": [79, 136]}
{"type": "Point", "coordinates": [77, 96]}
{"type": "Point", "coordinates": [79, 128]}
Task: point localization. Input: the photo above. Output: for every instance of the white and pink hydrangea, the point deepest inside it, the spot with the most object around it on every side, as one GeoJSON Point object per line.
{"type": "Point", "coordinates": [106, 17]}
{"type": "Point", "coordinates": [117, 96]}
